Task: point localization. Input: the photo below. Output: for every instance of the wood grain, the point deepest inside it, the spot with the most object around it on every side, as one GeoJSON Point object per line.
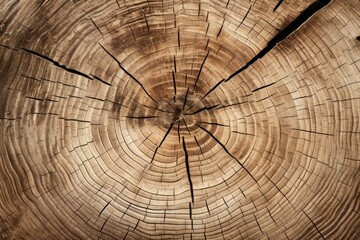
{"type": "Point", "coordinates": [179, 119]}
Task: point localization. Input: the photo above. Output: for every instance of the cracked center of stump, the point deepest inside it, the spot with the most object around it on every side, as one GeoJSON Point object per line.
{"type": "Point", "coordinates": [177, 115]}
{"type": "Point", "coordinates": [178, 109]}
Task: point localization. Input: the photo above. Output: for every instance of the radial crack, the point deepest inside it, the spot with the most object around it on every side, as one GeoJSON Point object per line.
{"type": "Point", "coordinates": [166, 134]}
{"type": "Point", "coordinates": [200, 70]}
{"type": "Point", "coordinates": [188, 170]}
{"type": "Point", "coordinates": [199, 146]}
{"type": "Point", "coordinates": [178, 131]}
{"type": "Point", "coordinates": [174, 82]}
{"type": "Point", "coordinates": [102, 227]}
{"type": "Point", "coordinates": [287, 31]}
{"type": "Point", "coordinates": [4, 46]}
{"type": "Point", "coordinates": [313, 224]}
{"type": "Point", "coordinates": [227, 4]}
{"type": "Point", "coordinates": [127, 73]}
{"type": "Point", "coordinates": [277, 5]}
{"type": "Point", "coordinates": [187, 128]}
{"type": "Point", "coordinates": [190, 213]}
{"type": "Point", "coordinates": [283, 34]}
{"type": "Point", "coordinates": [96, 26]}
{"type": "Point", "coordinates": [227, 151]}
{"type": "Point", "coordinates": [279, 190]}
{"type": "Point", "coordinates": [104, 208]}
{"type": "Point", "coordinates": [265, 86]}
{"type": "Point", "coordinates": [215, 123]}
{"type": "Point", "coordinates": [101, 80]}
{"type": "Point", "coordinates": [178, 38]}
{"type": "Point", "coordinates": [117, 3]}
{"type": "Point", "coordinates": [141, 117]}
{"type": "Point", "coordinates": [185, 100]}
{"type": "Point", "coordinates": [147, 24]}
{"type": "Point", "coordinates": [57, 63]}
{"type": "Point", "coordinates": [247, 13]}
{"type": "Point", "coordinates": [213, 88]}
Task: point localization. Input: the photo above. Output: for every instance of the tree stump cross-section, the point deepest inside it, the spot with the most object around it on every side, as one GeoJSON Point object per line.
{"type": "Point", "coordinates": [180, 119]}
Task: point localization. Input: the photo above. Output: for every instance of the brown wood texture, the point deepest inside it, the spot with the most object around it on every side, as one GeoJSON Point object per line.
{"type": "Point", "coordinates": [180, 119]}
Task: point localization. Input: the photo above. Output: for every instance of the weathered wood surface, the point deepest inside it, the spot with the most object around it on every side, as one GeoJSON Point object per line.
{"type": "Point", "coordinates": [179, 119]}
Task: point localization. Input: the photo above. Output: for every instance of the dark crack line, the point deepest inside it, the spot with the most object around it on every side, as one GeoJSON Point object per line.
{"type": "Point", "coordinates": [188, 170]}
{"type": "Point", "coordinates": [142, 117]}
{"type": "Point", "coordinates": [74, 71]}
{"type": "Point", "coordinates": [203, 109]}
{"type": "Point", "coordinates": [247, 13]}
{"type": "Point", "coordinates": [185, 100]}
{"type": "Point", "coordinates": [227, 151]}
{"type": "Point", "coordinates": [262, 87]}
{"type": "Point", "coordinates": [96, 26]}
{"type": "Point", "coordinates": [136, 225]}
{"type": "Point", "coordinates": [200, 70]}
{"type": "Point", "coordinates": [127, 73]}
{"type": "Point", "coordinates": [35, 98]}
{"type": "Point", "coordinates": [271, 217]}
{"type": "Point", "coordinates": [175, 64]}
{"type": "Point", "coordinates": [100, 190]}
{"type": "Point", "coordinates": [74, 120]}
{"type": "Point", "coordinates": [104, 208]}
{"type": "Point", "coordinates": [102, 227]}
{"type": "Point", "coordinates": [213, 88]}
{"type": "Point", "coordinates": [166, 134]}
{"type": "Point", "coordinates": [190, 213]}
{"type": "Point", "coordinates": [220, 29]}
{"type": "Point", "coordinates": [207, 44]}
{"type": "Point", "coordinates": [277, 5]}
{"type": "Point", "coordinates": [4, 46]}
{"type": "Point", "coordinates": [257, 222]}
{"type": "Point", "coordinates": [309, 131]}
{"type": "Point", "coordinates": [199, 146]}
{"type": "Point", "coordinates": [283, 34]}
{"type": "Point", "coordinates": [227, 4]}
{"type": "Point", "coordinates": [279, 190]}
{"type": "Point", "coordinates": [215, 123]}
{"type": "Point", "coordinates": [117, 3]}
{"type": "Point", "coordinates": [288, 30]}
{"type": "Point", "coordinates": [313, 224]}
{"type": "Point", "coordinates": [150, 107]}
{"type": "Point", "coordinates": [31, 77]}
{"type": "Point", "coordinates": [178, 130]}
{"type": "Point", "coordinates": [174, 82]}
{"type": "Point", "coordinates": [186, 125]}
{"type": "Point", "coordinates": [147, 24]}
{"type": "Point", "coordinates": [207, 206]}
{"type": "Point", "coordinates": [101, 80]}
{"type": "Point", "coordinates": [146, 138]}
{"type": "Point", "coordinates": [248, 134]}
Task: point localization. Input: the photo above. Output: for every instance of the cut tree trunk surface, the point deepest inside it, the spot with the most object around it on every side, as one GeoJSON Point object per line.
{"type": "Point", "coordinates": [180, 119]}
